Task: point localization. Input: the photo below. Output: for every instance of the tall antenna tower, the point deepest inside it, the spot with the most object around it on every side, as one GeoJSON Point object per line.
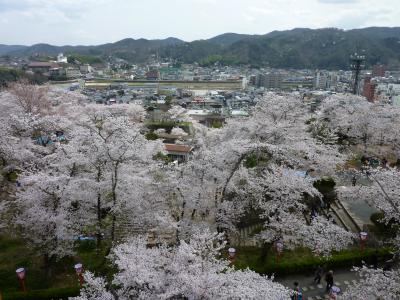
{"type": "Point", "coordinates": [357, 63]}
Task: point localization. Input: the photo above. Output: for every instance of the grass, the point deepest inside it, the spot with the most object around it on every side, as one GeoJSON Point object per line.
{"type": "Point", "coordinates": [14, 253]}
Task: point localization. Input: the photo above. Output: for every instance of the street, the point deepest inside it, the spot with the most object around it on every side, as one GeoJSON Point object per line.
{"type": "Point", "coordinates": [312, 291]}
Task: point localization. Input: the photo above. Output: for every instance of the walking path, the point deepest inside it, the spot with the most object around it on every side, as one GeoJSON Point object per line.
{"type": "Point", "coordinates": [312, 291]}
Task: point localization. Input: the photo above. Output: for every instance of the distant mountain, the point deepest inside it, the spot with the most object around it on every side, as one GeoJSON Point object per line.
{"type": "Point", "coordinates": [379, 32]}
{"type": "Point", "coordinates": [130, 49]}
{"type": "Point", "coordinates": [4, 49]}
{"type": "Point", "coordinates": [228, 39]}
{"type": "Point", "coordinates": [327, 48]}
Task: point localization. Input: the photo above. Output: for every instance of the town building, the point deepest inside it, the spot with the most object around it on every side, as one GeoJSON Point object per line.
{"type": "Point", "coordinates": [86, 68]}
{"type": "Point", "coordinates": [270, 80]}
{"type": "Point", "coordinates": [369, 89]}
{"type": "Point", "coordinates": [180, 153]}
{"type": "Point", "coordinates": [320, 81]}
{"type": "Point", "coordinates": [41, 67]}
{"type": "Point", "coordinates": [72, 73]}
{"type": "Point", "coordinates": [62, 59]}
{"type": "Point", "coordinates": [378, 71]}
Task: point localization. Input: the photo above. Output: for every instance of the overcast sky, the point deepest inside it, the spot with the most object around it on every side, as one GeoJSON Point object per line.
{"type": "Point", "coordinates": [87, 22]}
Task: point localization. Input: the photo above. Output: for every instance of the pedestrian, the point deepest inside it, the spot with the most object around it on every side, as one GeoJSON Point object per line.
{"type": "Point", "coordinates": [298, 294]}
{"type": "Point", "coordinates": [329, 280]}
{"type": "Point", "coordinates": [318, 274]}
{"type": "Point", "coordinates": [333, 293]}
{"type": "Point", "coordinates": [354, 180]}
{"type": "Point", "coordinates": [314, 213]}
{"type": "Point", "coordinates": [384, 163]}
{"type": "Point", "coordinates": [328, 205]}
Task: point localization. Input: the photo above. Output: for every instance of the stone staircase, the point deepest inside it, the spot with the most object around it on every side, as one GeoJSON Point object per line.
{"type": "Point", "coordinates": [128, 227]}
{"type": "Point", "coordinates": [245, 236]}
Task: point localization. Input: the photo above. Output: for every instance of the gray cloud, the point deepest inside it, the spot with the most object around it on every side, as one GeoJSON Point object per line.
{"type": "Point", "coordinates": [338, 1]}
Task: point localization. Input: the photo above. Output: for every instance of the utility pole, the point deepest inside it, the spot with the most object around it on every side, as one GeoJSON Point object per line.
{"type": "Point", "coordinates": [357, 63]}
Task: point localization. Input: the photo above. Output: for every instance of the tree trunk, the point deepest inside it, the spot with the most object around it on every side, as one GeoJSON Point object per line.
{"type": "Point", "coordinates": [114, 198]}
{"type": "Point", "coordinates": [99, 217]}
{"type": "Point", "coordinates": [47, 267]}
{"type": "Point", "coordinates": [98, 234]}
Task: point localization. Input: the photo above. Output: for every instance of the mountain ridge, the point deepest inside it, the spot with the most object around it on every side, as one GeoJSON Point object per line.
{"type": "Point", "coordinates": [328, 48]}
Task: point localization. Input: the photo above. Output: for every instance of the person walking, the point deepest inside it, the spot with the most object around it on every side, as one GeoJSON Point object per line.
{"type": "Point", "coordinates": [298, 294]}
{"type": "Point", "coordinates": [318, 274]}
{"type": "Point", "coordinates": [329, 280]}
{"type": "Point", "coordinates": [354, 180]}
{"type": "Point", "coordinates": [334, 292]}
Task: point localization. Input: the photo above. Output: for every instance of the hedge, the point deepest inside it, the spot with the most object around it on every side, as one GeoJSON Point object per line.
{"type": "Point", "coordinates": [48, 294]}
{"type": "Point", "coordinates": [307, 264]}
{"type": "Point", "coordinates": [168, 125]}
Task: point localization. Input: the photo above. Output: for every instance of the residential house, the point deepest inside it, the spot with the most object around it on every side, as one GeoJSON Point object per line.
{"type": "Point", "coordinates": [180, 153]}
{"type": "Point", "coordinates": [41, 67]}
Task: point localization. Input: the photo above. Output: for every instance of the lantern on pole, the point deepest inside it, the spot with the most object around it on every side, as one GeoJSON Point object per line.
{"type": "Point", "coordinates": [21, 274]}
{"type": "Point", "coordinates": [279, 249]}
{"type": "Point", "coordinates": [363, 239]}
{"type": "Point", "coordinates": [231, 254]}
{"type": "Point", "coordinates": [79, 272]}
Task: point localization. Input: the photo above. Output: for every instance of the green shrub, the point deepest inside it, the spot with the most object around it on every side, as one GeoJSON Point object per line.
{"type": "Point", "coordinates": [381, 227]}
{"type": "Point", "coordinates": [61, 293]}
{"type": "Point", "coordinates": [255, 159]}
{"type": "Point", "coordinates": [251, 161]}
{"type": "Point", "coordinates": [217, 124]}
{"type": "Point", "coordinates": [168, 125]}
{"type": "Point", "coordinates": [151, 136]}
{"type": "Point", "coordinates": [13, 176]}
{"type": "Point", "coordinates": [302, 261]}
{"type": "Point", "coordinates": [163, 157]}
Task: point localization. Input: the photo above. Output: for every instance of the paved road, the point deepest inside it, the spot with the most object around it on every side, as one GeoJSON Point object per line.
{"type": "Point", "coordinates": [312, 291]}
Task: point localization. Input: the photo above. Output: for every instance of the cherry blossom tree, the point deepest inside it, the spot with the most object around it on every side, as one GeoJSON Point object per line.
{"type": "Point", "coordinates": [33, 99]}
{"type": "Point", "coordinates": [219, 185]}
{"type": "Point", "coordinates": [178, 131]}
{"type": "Point", "coordinates": [374, 284]}
{"type": "Point", "coordinates": [46, 215]}
{"type": "Point", "coordinates": [192, 270]}
{"type": "Point", "coordinates": [357, 121]}
{"type": "Point", "coordinates": [109, 142]}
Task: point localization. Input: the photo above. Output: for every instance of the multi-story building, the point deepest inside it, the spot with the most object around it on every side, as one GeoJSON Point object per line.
{"type": "Point", "coordinates": [270, 80]}
{"type": "Point", "coordinates": [378, 71]}
{"type": "Point", "coordinates": [321, 81]}
{"type": "Point", "coordinates": [86, 68]}
{"type": "Point", "coordinates": [369, 89]}
{"type": "Point", "coordinates": [72, 73]}
{"type": "Point", "coordinates": [62, 59]}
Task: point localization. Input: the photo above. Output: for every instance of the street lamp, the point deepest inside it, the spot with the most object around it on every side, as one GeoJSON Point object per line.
{"type": "Point", "coordinates": [79, 271]}
{"type": "Point", "coordinates": [21, 274]}
{"type": "Point", "coordinates": [363, 239]}
{"type": "Point", "coordinates": [231, 254]}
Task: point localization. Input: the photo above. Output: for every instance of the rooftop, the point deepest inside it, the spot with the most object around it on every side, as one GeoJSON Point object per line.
{"type": "Point", "coordinates": [178, 148]}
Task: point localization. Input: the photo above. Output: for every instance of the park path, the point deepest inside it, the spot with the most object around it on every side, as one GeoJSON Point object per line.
{"type": "Point", "coordinates": [311, 291]}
